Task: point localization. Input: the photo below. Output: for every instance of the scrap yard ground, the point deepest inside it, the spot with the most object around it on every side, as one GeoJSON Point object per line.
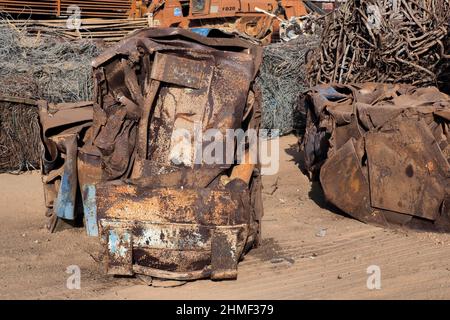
{"type": "Point", "coordinates": [308, 251]}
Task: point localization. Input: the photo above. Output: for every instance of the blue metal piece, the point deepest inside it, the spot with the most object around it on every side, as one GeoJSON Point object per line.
{"type": "Point", "coordinates": [65, 202]}
{"type": "Point", "coordinates": [202, 31]}
{"type": "Point", "coordinates": [120, 252]}
{"type": "Point", "coordinates": [113, 242]}
{"type": "Point", "coordinates": [119, 243]}
{"type": "Point", "coordinates": [90, 209]}
{"type": "Point", "coordinates": [177, 12]}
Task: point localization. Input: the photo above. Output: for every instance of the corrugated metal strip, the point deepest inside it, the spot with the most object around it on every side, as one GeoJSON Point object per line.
{"type": "Point", "coordinates": [89, 8]}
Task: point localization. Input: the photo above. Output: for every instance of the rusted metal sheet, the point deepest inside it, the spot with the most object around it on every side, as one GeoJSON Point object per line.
{"type": "Point", "coordinates": [382, 152]}
{"type": "Point", "coordinates": [62, 126]}
{"type": "Point", "coordinates": [159, 211]}
{"type": "Point", "coordinates": [407, 175]}
{"type": "Point", "coordinates": [182, 71]}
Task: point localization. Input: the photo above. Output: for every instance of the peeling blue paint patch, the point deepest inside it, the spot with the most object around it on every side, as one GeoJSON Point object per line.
{"type": "Point", "coordinates": [113, 241]}
{"type": "Point", "coordinates": [65, 202]}
{"type": "Point", "coordinates": [202, 31]}
{"type": "Point", "coordinates": [90, 209]}
{"type": "Point", "coordinates": [118, 245]}
{"type": "Point", "coordinates": [177, 12]}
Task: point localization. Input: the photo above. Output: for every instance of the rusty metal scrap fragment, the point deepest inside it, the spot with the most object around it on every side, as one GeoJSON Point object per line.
{"type": "Point", "coordinates": [382, 152]}
{"type": "Point", "coordinates": [158, 212]}
{"type": "Point", "coordinates": [62, 125]}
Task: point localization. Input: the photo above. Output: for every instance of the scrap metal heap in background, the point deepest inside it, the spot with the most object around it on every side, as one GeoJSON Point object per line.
{"type": "Point", "coordinates": [158, 213]}
{"type": "Point", "coordinates": [388, 41]}
{"type": "Point", "coordinates": [55, 8]}
{"type": "Point", "coordinates": [259, 19]}
{"type": "Point", "coordinates": [382, 151]}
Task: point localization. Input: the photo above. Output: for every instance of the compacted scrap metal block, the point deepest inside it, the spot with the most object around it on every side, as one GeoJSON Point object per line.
{"type": "Point", "coordinates": [158, 211]}
{"type": "Point", "coordinates": [382, 152]}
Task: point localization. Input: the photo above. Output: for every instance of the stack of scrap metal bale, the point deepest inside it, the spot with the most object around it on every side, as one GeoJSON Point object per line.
{"type": "Point", "coordinates": [36, 67]}
{"type": "Point", "coordinates": [377, 133]}
{"type": "Point", "coordinates": [163, 201]}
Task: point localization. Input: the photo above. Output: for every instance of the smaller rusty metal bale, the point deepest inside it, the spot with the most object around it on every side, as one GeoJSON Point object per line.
{"type": "Point", "coordinates": [381, 152]}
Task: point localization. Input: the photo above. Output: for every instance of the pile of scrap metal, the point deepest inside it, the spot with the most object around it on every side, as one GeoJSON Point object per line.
{"type": "Point", "coordinates": [291, 27]}
{"type": "Point", "coordinates": [296, 26]}
{"type": "Point", "coordinates": [159, 213]}
{"type": "Point", "coordinates": [382, 152]}
{"type": "Point", "coordinates": [388, 41]}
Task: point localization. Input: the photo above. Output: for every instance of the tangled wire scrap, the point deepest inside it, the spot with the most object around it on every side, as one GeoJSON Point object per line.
{"type": "Point", "coordinates": [45, 67]}
{"type": "Point", "coordinates": [282, 78]}
{"type": "Point", "coordinates": [19, 138]}
{"type": "Point", "coordinates": [37, 67]}
{"type": "Point", "coordinates": [394, 41]}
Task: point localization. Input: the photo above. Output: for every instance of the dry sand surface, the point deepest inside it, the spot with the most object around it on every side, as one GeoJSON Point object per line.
{"type": "Point", "coordinates": [308, 252]}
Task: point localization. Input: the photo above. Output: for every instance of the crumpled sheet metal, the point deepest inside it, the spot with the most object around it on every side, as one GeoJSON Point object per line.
{"type": "Point", "coordinates": [62, 125]}
{"type": "Point", "coordinates": [382, 152]}
{"type": "Point", "coordinates": [161, 213]}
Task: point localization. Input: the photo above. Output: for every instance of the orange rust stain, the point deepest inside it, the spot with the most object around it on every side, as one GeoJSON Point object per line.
{"type": "Point", "coordinates": [355, 185]}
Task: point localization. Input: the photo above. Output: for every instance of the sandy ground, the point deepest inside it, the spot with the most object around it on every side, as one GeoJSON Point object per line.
{"type": "Point", "coordinates": [309, 252]}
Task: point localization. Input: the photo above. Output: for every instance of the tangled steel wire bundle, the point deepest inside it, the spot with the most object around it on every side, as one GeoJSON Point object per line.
{"type": "Point", "coordinates": [390, 41]}
{"type": "Point", "coordinates": [19, 137]}
{"type": "Point", "coordinates": [36, 67]}
{"type": "Point", "coordinates": [282, 78]}
{"type": "Point", "coordinates": [45, 67]}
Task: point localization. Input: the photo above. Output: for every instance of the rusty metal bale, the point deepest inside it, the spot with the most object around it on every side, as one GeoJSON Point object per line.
{"type": "Point", "coordinates": [381, 152]}
{"type": "Point", "coordinates": [383, 41]}
{"type": "Point", "coordinates": [157, 212]}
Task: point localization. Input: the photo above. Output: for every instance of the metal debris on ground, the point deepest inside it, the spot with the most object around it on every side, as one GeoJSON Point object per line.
{"type": "Point", "coordinates": [159, 212]}
{"type": "Point", "coordinates": [321, 233]}
{"type": "Point", "coordinates": [282, 78]}
{"type": "Point", "coordinates": [382, 41]}
{"type": "Point", "coordinates": [382, 152]}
